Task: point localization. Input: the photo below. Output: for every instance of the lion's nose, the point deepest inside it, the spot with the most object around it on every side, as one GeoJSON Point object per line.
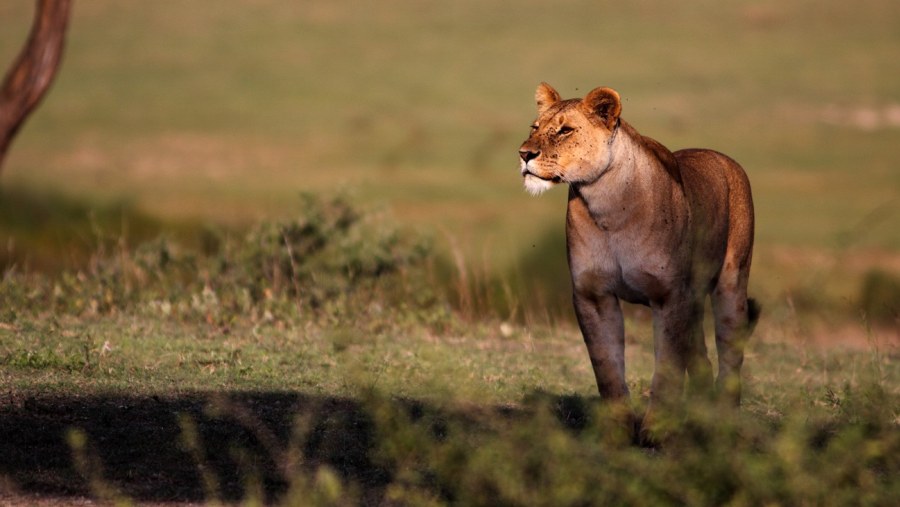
{"type": "Point", "coordinates": [527, 154]}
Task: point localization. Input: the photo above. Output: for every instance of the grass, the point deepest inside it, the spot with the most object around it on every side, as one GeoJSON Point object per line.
{"type": "Point", "coordinates": [177, 325]}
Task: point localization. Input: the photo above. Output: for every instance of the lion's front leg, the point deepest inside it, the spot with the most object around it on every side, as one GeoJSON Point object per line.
{"type": "Point", "coordinates": [603, 328]}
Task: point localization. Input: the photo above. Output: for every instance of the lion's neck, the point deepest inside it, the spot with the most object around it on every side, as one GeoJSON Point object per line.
{"type": "Point", "coordinates": [639, 171]}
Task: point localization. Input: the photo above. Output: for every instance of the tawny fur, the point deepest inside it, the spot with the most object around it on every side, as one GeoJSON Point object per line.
{"type": "Point", "coordinates": [647, 226]}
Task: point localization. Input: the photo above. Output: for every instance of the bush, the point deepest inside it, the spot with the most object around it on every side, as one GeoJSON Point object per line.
{"type": "Point", "coordinates": [332, 261]}
{"type": "Point", "coordinates": [328, 252]}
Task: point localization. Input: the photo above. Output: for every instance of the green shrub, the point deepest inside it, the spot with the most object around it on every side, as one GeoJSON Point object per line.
{"type": "Point", "coordinates": [329, 251]}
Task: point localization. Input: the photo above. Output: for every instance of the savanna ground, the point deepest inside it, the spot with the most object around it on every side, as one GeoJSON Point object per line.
{"type": "Point", "coordinates": [180, 321]}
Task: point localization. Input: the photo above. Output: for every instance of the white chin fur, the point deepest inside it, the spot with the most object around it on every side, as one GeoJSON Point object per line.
{"type": "Point", "coordinates": [537, 186]}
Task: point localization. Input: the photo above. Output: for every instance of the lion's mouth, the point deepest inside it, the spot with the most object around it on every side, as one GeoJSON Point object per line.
{"type": "Point", "coordinates": [552, 179]}
{"type": "Point", "coordinates": [536, 185]}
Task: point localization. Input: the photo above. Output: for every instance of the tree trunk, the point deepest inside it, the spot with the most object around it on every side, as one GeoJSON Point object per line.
{"type": "Point", "coordinates": [30, 76]}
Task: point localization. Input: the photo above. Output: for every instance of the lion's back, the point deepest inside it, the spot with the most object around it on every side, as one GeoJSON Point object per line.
{"type": "Point", "coordinates": [715, 175]}
{"type": "Point", "coordinates": [724, 189]}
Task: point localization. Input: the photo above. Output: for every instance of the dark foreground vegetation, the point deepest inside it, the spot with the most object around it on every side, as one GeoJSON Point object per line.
{"type": "Point", "coordinates": [551, 450]}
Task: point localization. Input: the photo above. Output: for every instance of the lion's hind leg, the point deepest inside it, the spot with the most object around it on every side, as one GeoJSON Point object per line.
{"type": "Point", "coordinates": [699, 369]}
{"type": "Point", "coordinates": [735, 318]}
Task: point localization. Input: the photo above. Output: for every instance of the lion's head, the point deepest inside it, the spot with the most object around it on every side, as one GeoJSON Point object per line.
{"type": "Point", "coordinates": [570, 139]}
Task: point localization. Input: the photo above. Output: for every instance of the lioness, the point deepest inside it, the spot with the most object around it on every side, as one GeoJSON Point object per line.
{"type": "Point", "coordinates": [647, 226]}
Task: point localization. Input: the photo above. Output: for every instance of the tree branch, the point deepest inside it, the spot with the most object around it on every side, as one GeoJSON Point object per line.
{"type": "Point", "coordinates": [32, 73]}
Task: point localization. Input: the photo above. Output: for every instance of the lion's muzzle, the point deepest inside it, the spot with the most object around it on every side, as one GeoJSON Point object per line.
{"type": "Point", "coordinates": [528, 154]}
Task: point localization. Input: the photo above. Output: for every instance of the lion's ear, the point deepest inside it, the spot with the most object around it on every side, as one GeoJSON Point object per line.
{"type": "Point", "coordinates": [605, 104]}
{"type": "Point", "coordinates": [545, 96]}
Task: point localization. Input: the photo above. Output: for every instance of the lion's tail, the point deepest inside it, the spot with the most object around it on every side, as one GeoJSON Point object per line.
{"type": "Point", "coordinates": [753, 311]}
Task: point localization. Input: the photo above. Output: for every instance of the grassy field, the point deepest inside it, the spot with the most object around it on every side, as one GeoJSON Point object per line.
{"type": "Point", "coordinates": [179, 323]}
{"type": "Point", "coordinates": [189, 113]}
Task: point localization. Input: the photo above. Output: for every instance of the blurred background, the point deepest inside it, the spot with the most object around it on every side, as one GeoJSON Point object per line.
{"type": "Point", "coordinates": [170, 117]}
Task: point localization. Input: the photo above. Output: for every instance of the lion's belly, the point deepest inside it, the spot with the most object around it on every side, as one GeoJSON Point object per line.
{"type": "Point", "coordinates": [605, 264]}
{"type": "Point", "coordinates": [646, 279]}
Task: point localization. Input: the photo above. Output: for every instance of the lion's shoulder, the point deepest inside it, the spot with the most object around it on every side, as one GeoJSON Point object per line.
{"type": "Point", "coordinates": [655, 150]}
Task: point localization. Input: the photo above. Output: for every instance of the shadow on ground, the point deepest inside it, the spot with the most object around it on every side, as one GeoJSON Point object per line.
{"type": "Point", "coordinates": [138, 445]}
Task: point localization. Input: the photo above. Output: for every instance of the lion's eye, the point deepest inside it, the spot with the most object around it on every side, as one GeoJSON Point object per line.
{"type": "Point", "coordinates": [534, 127]}
{"type": "Point", "coordinates": [565, 130]}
